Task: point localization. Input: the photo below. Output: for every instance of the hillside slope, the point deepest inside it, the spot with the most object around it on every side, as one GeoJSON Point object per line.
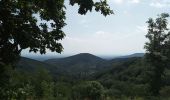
{"type": "Point", "coordinates": [80, 64]}
{"type": "Point", "coordinates": [30, 65]}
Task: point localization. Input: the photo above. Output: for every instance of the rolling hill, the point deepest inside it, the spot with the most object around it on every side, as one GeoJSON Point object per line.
{"type": "Point", "coordinates": [79, 58]}
{"type": "Point", "coordinates": [30, 65]}
{"type": "Point", "coordinates": [79, 66]}
{"type": "Point", "coordinates": [133, 55]}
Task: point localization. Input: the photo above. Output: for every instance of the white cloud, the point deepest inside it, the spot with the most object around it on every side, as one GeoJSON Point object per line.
{"type": "Point", "coordinates": [125, 1]}
{"type": "Point", "coordinates": [134, 1]}
{"type": "Point", "coordinates": [160, 3]}
{"type": "Point", "coordinates": [157, 4]}
{"type": "Point", "coordinates": [118, 1]}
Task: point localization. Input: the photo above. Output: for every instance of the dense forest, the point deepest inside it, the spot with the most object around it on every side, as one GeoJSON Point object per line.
{"type": "Point", "coordinates": [79, 77]}
{"type": "Point", "coordinates": [100, 79]}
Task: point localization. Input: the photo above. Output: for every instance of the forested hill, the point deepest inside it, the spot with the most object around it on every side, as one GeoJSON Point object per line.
{"type": "Point", "coordinates": [79, 66]}
{"type": "Point", "coordinates": [84, 58]}
{"type": "Point", "coordinates": [30, 65]}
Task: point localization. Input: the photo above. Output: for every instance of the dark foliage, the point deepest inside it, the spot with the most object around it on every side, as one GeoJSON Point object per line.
{"type": "Point", "coordinates": [157, 51]}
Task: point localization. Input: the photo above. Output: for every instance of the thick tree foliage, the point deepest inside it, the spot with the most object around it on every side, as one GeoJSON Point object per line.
{"type": "Point", "coordinates": [90, 90]}
{"type": "Point", "coordinates": [157, 50]}
{"type": "Point", "coordinates": [36, 25]}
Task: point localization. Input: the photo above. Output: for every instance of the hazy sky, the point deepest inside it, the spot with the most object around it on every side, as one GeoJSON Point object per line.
{"type": "Point", "coordinates": [119, 34]}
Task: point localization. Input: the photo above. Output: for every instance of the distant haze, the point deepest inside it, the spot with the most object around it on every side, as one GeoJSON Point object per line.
{"type": "Point", "coordinates": [46, 57]}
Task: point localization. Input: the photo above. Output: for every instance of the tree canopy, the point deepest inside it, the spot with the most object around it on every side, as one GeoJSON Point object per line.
{"type": "Point", "coordinates": [157, 50]}
{"type": "Point", "coordinates": [19, 28]}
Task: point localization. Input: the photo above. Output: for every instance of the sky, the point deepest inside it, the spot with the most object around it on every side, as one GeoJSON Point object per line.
{"type": "Point", "coordinates": [120, 34]}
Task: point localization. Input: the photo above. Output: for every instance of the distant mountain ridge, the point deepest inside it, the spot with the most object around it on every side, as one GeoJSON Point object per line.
{"type": "Point", "coordinates": [82, 57]}
{"type": "Point", "coordinates": [132, 55]}
{"type": "Point", "coordinates": [47, 57]}
{"type": "Point", "coordinates": [80, 65]}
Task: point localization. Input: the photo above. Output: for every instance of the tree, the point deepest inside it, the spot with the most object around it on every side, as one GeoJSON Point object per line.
{"type": "Point", "coordinates": [19, 29]}
{"type": "Point", "coordinates": [90, 90]}
{"type": "Point", "coordinates": [62, 91]}
{"type": "Point", "coordinates": [87, 5]}
{"type": "Point", "coordinates": [48, 90]}
{"type": "Point", "coordinates": [157, 50]}
{"type": "Point", "coordinates": [42, 82]}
